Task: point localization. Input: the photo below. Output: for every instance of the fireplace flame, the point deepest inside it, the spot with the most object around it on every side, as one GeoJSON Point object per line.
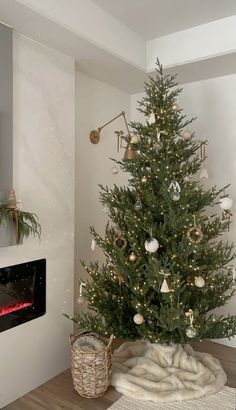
{"type": "Point", "coordinates": [14, 308]}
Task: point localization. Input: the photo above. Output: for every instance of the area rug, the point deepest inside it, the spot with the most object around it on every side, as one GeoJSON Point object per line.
{"type": "Point", "coordinates": [225, 399]}
{"type": "Point", "coordinates": [165, 373]}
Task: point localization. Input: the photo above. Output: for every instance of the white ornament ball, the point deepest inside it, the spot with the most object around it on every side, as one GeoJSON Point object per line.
{"type": "Point", "coordinates": [186, 134]}
{"type": "Point", "coordinates": [138, 319]}
{"type": "Point", "coordinates": [199, 281]}
{"type": "Point", "coordinates": [226, 203]}
{"type": "Point", "coordinates": [134, 139]}
{"type": "Point", "coordinates": [144, 179]}
{"type": "Point", "coordinates": [151, 245]}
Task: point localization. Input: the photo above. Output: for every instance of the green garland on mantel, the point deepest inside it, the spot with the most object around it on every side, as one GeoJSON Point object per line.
{"type": "Point", "coordinates": [25, 223]}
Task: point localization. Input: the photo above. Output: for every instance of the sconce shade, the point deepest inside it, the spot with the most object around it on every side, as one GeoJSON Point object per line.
{"type": "Point", "coordinates": [129, 153]}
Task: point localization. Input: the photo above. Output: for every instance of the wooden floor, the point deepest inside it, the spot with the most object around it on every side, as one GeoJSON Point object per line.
{"type": "Point", "coordinates": [58, 393]}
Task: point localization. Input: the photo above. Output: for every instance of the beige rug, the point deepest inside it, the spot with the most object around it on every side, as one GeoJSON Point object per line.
{"type": "Point", "coordinates": [225, 399]}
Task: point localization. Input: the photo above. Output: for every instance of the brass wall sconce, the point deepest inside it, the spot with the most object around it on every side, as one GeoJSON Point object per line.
{"type": "Point", "coordinates": [95, 134]}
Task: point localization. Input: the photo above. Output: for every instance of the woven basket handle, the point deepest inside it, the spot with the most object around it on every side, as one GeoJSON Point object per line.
{"type": "Point", "coordinates": [110, 341]}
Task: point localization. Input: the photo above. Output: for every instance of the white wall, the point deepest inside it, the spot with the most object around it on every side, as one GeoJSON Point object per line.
{"type": "Point", "coordinates": [36, 351]}
{"type": "Point", "coordinates": [214, 103]}
{"type": "Point", "coordinates": [96, 103]}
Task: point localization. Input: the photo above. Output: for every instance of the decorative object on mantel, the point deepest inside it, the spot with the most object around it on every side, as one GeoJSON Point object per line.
{"type": "Point", "coordinates": [91, 364]}
{"type": "Point", "coordinates": [25, 223]}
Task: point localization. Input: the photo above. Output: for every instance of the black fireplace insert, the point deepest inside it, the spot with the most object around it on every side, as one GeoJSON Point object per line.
{"type": "Point", "coordinates": [22, 293]}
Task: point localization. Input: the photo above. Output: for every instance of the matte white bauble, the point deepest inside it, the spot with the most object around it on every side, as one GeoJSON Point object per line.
{"type": "Point", "coordinates": [138, 319]}
{"type": "Point", "coordinates": [151, 245]}
{"type": "Point", "coordinates": [199, 281]}
{"type": "Point", "coordinates": [226, 203]}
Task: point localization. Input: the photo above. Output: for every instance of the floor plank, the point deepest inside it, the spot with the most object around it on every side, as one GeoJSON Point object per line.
{"type": "Point", "coordinates": [58, 393]}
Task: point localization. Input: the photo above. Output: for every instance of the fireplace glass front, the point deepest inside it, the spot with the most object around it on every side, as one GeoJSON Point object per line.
{"type": "Point", "coordinates": [22, 293]}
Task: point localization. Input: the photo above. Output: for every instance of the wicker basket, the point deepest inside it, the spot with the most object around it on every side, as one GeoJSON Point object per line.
{"type": "Point", "coordinates": [91, 369]}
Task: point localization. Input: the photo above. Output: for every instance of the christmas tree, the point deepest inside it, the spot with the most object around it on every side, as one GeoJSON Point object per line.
{"type": "Point", "coordinates": [167, 267]}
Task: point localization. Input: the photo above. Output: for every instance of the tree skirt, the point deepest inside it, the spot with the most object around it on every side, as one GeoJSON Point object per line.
{"type": "Point", "coordinates": [164, 373]}
{"type": "Point", "coordinates": [225, 399]}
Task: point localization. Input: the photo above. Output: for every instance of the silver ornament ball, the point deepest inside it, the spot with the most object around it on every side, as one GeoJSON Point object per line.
{"type": "Point", "coordinates": [175, 196]}
{"type": "Point", "coordinates": [191, 331]}
{"type": "Point", "coordinates": [138, 205]}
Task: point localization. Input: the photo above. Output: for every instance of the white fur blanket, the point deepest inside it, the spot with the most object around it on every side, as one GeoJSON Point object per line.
{"type": "Point", "coordinates": [162, 373]}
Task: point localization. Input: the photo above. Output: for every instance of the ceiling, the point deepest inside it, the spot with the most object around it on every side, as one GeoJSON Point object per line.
{"type": "Point", "coordinates": [155, 18]}
{"type": "Point", "coordinates": [106, 47]}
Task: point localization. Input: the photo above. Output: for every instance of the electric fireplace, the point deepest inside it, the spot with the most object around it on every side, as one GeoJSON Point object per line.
{"type": "Point", "coordinates": [22, 293]}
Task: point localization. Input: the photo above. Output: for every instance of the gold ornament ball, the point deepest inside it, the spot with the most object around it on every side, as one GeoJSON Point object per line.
{"type": "Point", "coordinates": [175, 107]}
{"type": "Point", "coordinates": [186, 134]}
{"type": "Point", "coordinates": [144, 179]}
{"type": "Point", "coordinates": [134, 139]}
{"type": "Point", "coordinates": [132, 257]}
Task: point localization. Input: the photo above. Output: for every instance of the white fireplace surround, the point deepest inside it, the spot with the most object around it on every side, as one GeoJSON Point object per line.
{"type": "Point", "coordinates": [43, 121]}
